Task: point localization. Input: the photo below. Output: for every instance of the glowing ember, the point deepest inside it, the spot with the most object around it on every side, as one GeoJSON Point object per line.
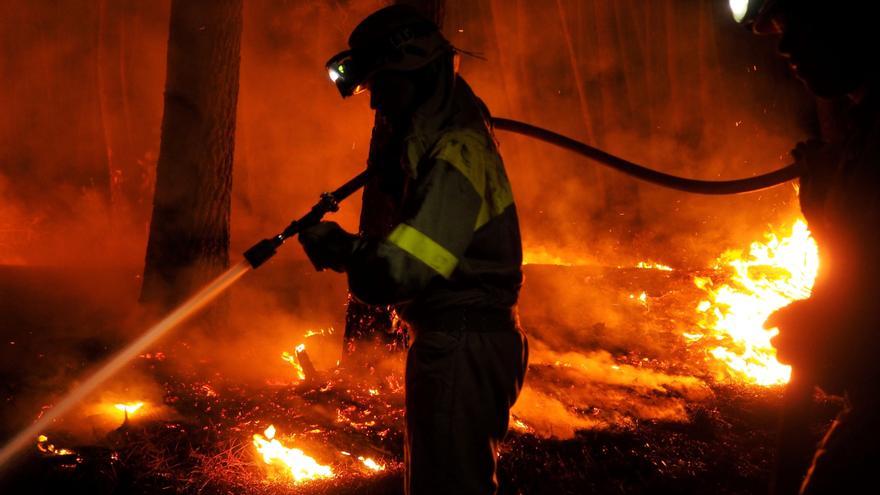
{"type": "Point", "coordinates": [641, 298]}
{"type": "Point", "coordinates": [129, 408]}
{"type": "Point", "coordinates": [294, 361]}
{"type": "Point", "coordinates": [300, 466]}
{"type": "Point", "coordinates": [649, 265]}
{"type": "Point", "coordinates": [769, 276]}
{"type": "Point", "coordinates": [320, 332]}
{"type": "Point", "coordinates": [370, 464]}
{"type": "Point", "coordinates": [519, 425]}
{"type": "Point", "coordinates": [50, 449]}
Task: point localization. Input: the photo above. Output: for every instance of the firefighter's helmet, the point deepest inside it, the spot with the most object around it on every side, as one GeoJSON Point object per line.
{"type": "Point", "coordinates": [396, 38]}
{"type": "Point", "coordinates": [757, 14]}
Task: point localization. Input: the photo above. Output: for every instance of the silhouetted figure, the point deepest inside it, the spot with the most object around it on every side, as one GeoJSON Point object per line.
{"type": "Point", "coordinates": [446, 255]}
{"type": "Point", "coordinates": [830, 339]}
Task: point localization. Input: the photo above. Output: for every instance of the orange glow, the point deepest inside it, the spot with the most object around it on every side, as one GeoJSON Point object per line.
{"type": "Point", "coordinates": [542, 256]}
{"type": "Point", "coordinates": [649, 265]}
{"type": "Point", "coordinates": [370, 464]}
{"type": "Point", "coordinates": [129, 408]}
{"type": "Point", "coordinates": [294, 361]}
{"type": "Point", "coordinates": [766, 277]}
{"type": "Point", "coordinates": [294, 461]}
{"type": "Point", "coordinates": [642, 298]}
{"type": "Point", "coordinates": [519, 425]}
{"type": "Point", "coordinates": [48, 448]}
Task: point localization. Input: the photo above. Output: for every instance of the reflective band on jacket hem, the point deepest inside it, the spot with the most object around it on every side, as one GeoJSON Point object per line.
{"type": "Point", "coordinates": [424, 249]}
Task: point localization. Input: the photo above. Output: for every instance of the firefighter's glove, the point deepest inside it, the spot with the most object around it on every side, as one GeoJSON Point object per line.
{"type": "Point", "coordinates": [328, 246]}
{"type": "Point", "coordinates": [807, 340]}
{"type": "Point", "coordinates": [818, 162]}
{"type": "Point", "coordinates": [801, 334]}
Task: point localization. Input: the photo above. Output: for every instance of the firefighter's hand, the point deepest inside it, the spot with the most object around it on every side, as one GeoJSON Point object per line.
{"type": "Point", "coordinates": [800, 334]}
{"type": "Point", "coordinates": [818, 162]}
{"type": "Point", "coordinates": [328, 246]}
{"type": "Point", "coordinates": [813, 343]}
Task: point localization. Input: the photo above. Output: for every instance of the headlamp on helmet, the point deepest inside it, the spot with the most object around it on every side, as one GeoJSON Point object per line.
{"type": "Point", "coordinates": [755, 14]}
{"type": "Point", "coordinates": [740, 10]}
{"type": "Point", "coordinates": [396, 38]}
{"type": "Point", "coordinates": [343, 72]}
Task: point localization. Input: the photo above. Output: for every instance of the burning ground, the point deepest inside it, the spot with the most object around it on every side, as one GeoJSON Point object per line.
{"type": "Point", "coordinates": [642, 379]}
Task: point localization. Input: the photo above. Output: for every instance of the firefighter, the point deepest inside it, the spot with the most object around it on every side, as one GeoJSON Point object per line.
{"type": "Point", "coordinates": [446, 252]}
{"type": "Point", "coordinates": [830, 338]}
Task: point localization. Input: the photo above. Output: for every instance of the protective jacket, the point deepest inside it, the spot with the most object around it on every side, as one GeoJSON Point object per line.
{"type": "Point", "coordinates": [842, 207]}
{"type": "Point", "coordinates": [841, 321]}
{"type": "Point", "coordinates": [454, 241]}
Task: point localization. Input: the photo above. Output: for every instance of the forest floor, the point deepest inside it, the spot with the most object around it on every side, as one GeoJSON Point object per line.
{"type": "Point", "coordinates": [619, 403]}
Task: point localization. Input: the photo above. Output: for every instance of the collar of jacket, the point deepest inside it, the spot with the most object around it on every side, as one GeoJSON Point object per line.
{"type": "Point", "coordinates": [429, 120]}
{"type": "Point", "coordinates": [456, 107]}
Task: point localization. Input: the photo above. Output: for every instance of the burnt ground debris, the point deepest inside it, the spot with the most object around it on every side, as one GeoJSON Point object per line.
{"type": "Point", "coordinates": [724, 446]}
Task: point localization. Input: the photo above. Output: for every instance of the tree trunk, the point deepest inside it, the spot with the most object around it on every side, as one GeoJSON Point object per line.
{"type": "Point", "coordinates": [189, 230]}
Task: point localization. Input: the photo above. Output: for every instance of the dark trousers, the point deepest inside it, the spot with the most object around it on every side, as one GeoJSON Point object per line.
{"type": "Point", "coordinates": [460, 386]}
{"type": "Point", "coordinates": [848, 458]}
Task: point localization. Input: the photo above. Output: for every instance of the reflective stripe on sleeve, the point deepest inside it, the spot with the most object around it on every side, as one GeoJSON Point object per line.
{"type": "Point", "coordinates": [468, 152]}
{"type": "Point", "coordinates": [424, 249]}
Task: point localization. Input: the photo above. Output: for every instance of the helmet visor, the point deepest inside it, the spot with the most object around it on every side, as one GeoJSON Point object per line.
{"type": "Point", "coordinates": [345, 74]}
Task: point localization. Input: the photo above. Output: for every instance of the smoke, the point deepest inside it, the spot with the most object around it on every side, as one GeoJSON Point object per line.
{"type": "Point", "coordinates": [672, 84]}
{"type": "Point", "coordinates": [606, 349]}
{"type": "Point", "coordinates": [676, 85]}
{"type": "Point", "coordinates": [594, 391]}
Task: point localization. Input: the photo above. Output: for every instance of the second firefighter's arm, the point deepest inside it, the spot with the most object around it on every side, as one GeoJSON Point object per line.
{"type": "Point", "coordinates": [439, 219]}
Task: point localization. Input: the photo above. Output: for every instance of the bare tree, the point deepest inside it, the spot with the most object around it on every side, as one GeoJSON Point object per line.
{"type": "Point", "coordinates": [189, 230]}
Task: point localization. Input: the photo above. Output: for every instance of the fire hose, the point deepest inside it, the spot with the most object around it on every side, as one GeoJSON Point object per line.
{"type": "Point", "coordinates": [723, 187]}
{"type": "Point", "coordinates": [329, 202]}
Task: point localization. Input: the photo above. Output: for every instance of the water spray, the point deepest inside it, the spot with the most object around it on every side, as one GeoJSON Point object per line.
{"type": "Point", "coordinates": [253, 258]}
{"type": "Point", "coordinates": [122, 358]}
{"type": "Point", "coordinates": [262, 251]}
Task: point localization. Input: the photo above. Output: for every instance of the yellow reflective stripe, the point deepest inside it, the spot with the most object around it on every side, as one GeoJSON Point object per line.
{"type": "Point", "coordinates": [424, 249]}
{"type": "Point", "coordinates": [483, 216]}
{"type": "Point", "coordinates": [467, 151]}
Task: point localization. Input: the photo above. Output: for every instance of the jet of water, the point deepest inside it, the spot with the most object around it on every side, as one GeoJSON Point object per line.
{"type": "Point", "coordinates": [117, 362]}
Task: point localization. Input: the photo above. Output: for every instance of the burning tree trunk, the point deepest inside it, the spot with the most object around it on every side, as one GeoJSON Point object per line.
{"type": "Point", "coordinates": [189, 230]}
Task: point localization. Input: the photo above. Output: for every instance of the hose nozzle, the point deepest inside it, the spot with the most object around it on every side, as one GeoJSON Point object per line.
{"type": "Point", "coordinates": [260, 252]}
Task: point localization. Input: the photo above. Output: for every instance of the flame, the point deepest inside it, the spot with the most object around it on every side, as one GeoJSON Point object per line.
{"type": "Point", "coordinates": [519, 425]}
{"type": "Point", "coordinates": [370, 464]}
{"type": "Point", "coordinates": [48, 448]}
{"type": "Point", "coordinates": [300, 466]}
{"type": "Point", "coordinates": [769, 276]}
{"type": "Point", "coordinates": [650, 265]}
{"type": "Point", "coordinates": [292, 359]}
{"type": "Point", "coordinates": [642, 298]}
{"type": "Point", "coordinates": [130, 407]}
{"type": "Point", "coordinates": [320, 332]}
